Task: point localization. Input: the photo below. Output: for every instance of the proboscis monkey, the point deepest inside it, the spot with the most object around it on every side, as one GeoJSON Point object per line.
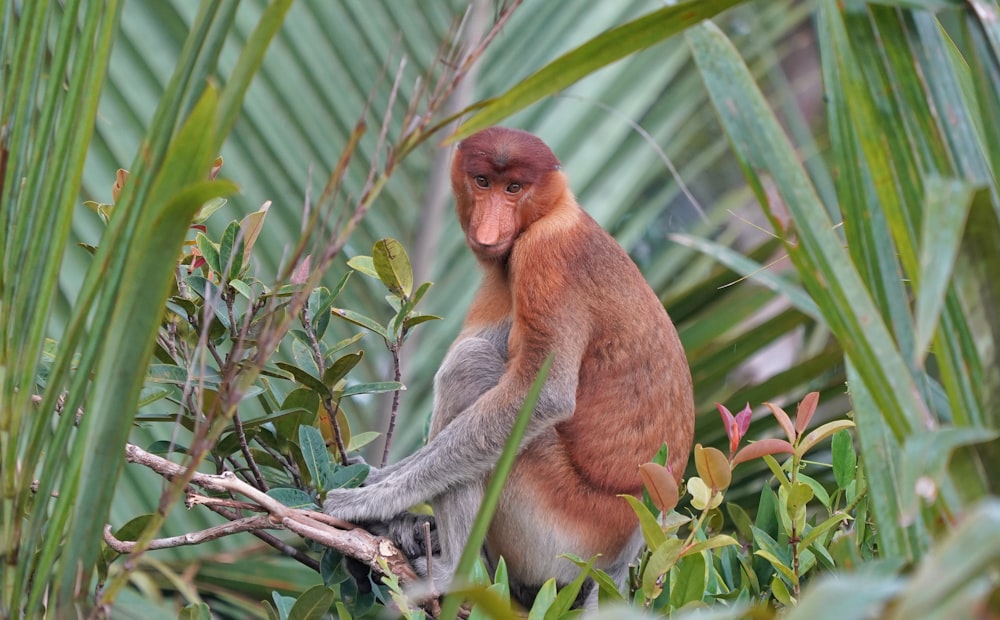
{"type": "Point", "coordinates": [619, 387]}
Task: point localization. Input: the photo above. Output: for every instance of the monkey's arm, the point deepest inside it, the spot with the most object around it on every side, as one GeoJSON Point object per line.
{"type": "Point", "coordinates": [469, 446]}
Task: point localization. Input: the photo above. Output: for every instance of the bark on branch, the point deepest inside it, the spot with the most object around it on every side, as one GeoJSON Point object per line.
{"type": "Point", "coordinates": [313, 525]}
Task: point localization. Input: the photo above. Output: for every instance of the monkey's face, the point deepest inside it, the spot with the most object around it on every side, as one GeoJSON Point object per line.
{"type": "Point", "coordinates": [496, 175]}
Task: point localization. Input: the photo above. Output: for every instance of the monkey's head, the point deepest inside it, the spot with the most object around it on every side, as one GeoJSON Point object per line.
{"type": "Point", "coordinates": [504, 180]}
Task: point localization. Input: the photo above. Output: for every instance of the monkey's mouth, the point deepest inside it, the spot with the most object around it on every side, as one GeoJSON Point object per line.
{"type": "Point", "coordinates": [498, 251]}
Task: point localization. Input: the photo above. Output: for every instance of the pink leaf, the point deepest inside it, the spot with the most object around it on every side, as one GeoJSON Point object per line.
{"type": "Point", "coordinates": [757, 449]}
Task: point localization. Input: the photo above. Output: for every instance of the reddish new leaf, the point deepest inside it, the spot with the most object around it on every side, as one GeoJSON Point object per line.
{"type": "Point", "coordinates": [805, 412]}
{"type": "Point", "coordinates": [783, 420]}
{"type": "Point", "coordinates": [758, 449]}
{"type": "Point", "coordinates": [661, 485]}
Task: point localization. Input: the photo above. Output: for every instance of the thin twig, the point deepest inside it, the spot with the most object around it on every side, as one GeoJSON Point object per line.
{"type": "Point", "coordinates": [245, 524]}
{"type": "Point", "coordinates": [394, 411]}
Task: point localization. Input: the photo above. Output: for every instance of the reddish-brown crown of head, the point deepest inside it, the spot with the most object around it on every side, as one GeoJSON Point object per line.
{"type": "Point", "coordinates": [507, 153]}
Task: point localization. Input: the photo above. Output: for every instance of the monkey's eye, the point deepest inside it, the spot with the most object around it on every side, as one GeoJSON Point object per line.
{"type": "Point", "coordinates": [513, 188]}
{"type": "Point", "coordinates": [481, 181]}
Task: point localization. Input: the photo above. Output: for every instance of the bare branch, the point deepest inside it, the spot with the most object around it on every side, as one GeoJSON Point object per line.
{"type": "Point", "coordinates": [245, 524]}
{"type": "Point", "coordinates": [322, 528]}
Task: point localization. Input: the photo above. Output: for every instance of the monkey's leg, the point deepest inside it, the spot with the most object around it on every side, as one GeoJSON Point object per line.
{"type": "Point", "coordinates": [472, 367]}
{"type": "Point", "coordinates": [455, 511]}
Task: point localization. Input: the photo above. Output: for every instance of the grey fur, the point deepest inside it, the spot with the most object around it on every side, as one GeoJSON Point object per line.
{"type": "Point", "coordinates": [473, 415]}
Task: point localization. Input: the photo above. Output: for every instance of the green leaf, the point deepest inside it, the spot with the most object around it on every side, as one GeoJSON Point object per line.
{"type": "Point", "coordinates": [543, 600]}
{"type": "Point", "coordinates": [231, 252]}
{"type": "Point", "coordinates": [819, 491]}
{"type": "Point", "coordinates": [313, 604]}
{"type": "Point", "coordinates": [850, 595]}
{"type": "Point", "coordinates": [339, 369]}
{"type": "Point", "coordinates": [364, 264]}
{"type": "Point", "coordinates": [393, 266]}
{"type": "Point", "coordinates": [946, 207]}
{"type": "Point", "coordinates": [362, 321]}
{"type": "Point", "coordinates": [766, 156]}
{"type": "Point", "coordinates": [844, 458]}
{"type": "Point", "coordinates": [719, 540]}
{"type": "Point", "coordinates": [780, 592]}
{"type": "Point", "coordinates": [128, 532]}
{"type": "Point", "coordinates": [651, 531]}
{"type": "Point", "coordinates": [751, 269]}
{"type": "Point", "coordinates": [379, 387]}
{"type": "Point", "coordinates": [568, 594]}
{"type": "Point", "coordinates": [798, 498]}
{"type": "Point", "coordinates": [361, 440]}
{"type": "Point", "coordinates": [293, 498]}
{"type": "Point", "coordinates": [822, 432]}
{"type": "Point", "coordinates": [316, 456]}
{"type": "Point", "coordinates": [165, 447]}
{"type": "Point", "coordinates": [413, 320]}
{"type": "Point", "coordinates": [958, 568]}
{"type": "Point", "coordinates": [821, 528]}
{"type": "Point", "coordinates": [688, 583]}
{"type": "Point", "coordinates": [600, 51]}
{"type": "Point", "coordinates": [348, 477]}
{"type": "Point", "coordinates": [304, 378]}
{"type": "Point", "coordinates": [741, 520]}
{"type": "Point", "coordinates": [210, 252]}
{"type": "Point", "coordinates": [777, 564]}
{"type": "Point", "coordinates": [208, 209]}
{"type": "Point", "coordinates": [925, 458]}
{"type": "Point", "coordinates": [608, 588]}
{"type": "Point", "coordinates": [664, 558]}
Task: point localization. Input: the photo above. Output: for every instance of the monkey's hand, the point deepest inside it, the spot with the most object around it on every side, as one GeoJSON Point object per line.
{"type": "Point", "coordinates": [366, 503]}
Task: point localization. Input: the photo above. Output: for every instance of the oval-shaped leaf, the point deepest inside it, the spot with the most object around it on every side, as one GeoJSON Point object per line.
{"type": "Point", "coordinates": [379, 387]}
{"type": "Point", "coordinates": [293, 498]}
{"type": "Point", "coordinates": [312, 604]}
{"type": "Point", "coordinates": [661, 485]}
{"type": "Point", "coordinates": [770, 445]}
{"type": "Point", "coordinates": [339, 369]}
{"type": "Point", "coordinates": [250, 226]}
{"type": "Point", "coordinates": [713, 467]}
{"type": "Point", "coordinates": [393, 266]}
{"type": "Point", "coordinates": [783, 420]}
{"type": "Point", "coordinates": [304, 378]}
{"type": "Point", "coordinates": [349, 476]}
{"type": "Point", "coordinates": [361, 320]}
{"type": "Point", "coordinates": [364, 264]}
{"type": "Point", "coordinates": [315, 455]}
{"type": "Point", "coordinates": [805, 411]}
